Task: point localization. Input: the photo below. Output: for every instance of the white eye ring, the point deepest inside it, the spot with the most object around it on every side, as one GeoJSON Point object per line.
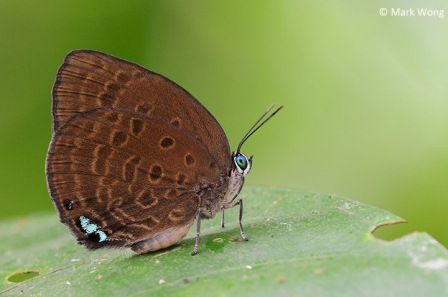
{"type": "Point", "coordinates": [242, 163]}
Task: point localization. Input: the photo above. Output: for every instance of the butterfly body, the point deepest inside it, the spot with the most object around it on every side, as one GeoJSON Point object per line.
{"type": "Point", "coordinates": [134, 159]}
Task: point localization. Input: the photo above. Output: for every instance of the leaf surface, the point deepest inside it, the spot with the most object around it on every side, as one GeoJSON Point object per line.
{"type": "Point", "coordinates": [300, 244]}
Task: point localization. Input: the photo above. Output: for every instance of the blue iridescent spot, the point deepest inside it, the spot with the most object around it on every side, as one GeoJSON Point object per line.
{"type": "Point", "coordinates": [90, 228]}
{"type": "Point", "coordinates": [87, 226]}
{"type": "Point", "coordinates": [102, 235]}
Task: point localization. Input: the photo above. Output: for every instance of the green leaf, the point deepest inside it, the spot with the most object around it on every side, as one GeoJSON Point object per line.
{"type": "Point", "coordinates": [301, 244]}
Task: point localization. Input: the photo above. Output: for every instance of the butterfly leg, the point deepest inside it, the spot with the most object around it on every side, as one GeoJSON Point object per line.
{"type": "Point", "coordinates": [222, 219]}
{"type": "Point", "coordinates": [240, 217]}
{"type": "Point", "coordinates": [198, 232]}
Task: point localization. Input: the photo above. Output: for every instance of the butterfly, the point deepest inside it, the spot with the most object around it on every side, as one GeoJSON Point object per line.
{"type": "Point", "coordinates": [134, 159]}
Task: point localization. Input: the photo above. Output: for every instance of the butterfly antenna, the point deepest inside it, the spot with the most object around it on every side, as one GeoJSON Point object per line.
{"type": "Point", "coordinates": [257, 126]}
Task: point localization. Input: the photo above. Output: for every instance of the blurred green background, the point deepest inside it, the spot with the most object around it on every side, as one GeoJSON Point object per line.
{"type": "Point", "coordinates": [366, 106]}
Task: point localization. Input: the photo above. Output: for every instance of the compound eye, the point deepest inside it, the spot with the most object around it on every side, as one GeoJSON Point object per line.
{"type": "Point", "coordinates": [241, 162]}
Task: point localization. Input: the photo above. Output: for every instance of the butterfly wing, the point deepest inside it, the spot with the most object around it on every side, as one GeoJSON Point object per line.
{"type": "Point", "coordinates": [117, 176]}
{"type": "Point", "coordinates": [88, 80]}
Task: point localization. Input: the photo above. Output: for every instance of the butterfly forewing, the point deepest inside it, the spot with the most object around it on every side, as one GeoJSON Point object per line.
{"type": "Point", "coordinates": [117, 176]}
{"type": "Point", "coordinates": [88, 80]}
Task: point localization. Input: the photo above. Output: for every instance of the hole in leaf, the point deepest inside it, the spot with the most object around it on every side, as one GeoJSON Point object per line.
{"type": "Point", "coordinates": [392, 231]}
{"type": "Point", "coordinates": [22, 276]}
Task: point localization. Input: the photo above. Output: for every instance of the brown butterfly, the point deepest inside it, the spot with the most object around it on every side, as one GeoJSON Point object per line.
{"type": "Point", "coordinates": [134, 159]}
